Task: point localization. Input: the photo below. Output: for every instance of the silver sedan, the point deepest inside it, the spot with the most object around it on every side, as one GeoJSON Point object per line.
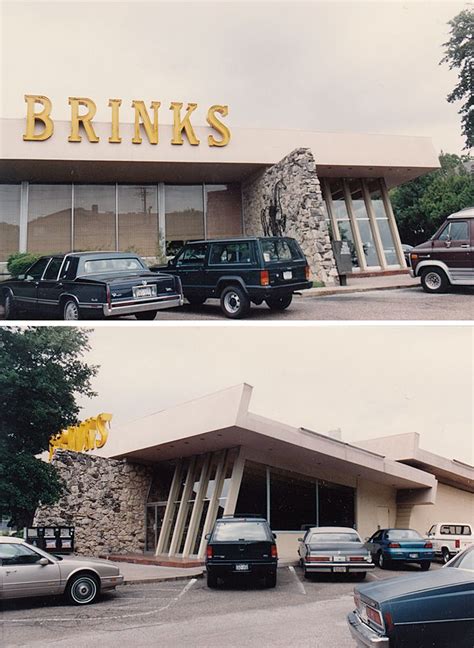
{"type": "Point", "coordinates": [28, 571]}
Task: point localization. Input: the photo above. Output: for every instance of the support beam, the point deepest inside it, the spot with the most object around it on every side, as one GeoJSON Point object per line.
{"type": "Point", "coordinates": [326, 191]}
{"type": "Point", "coordinates": [392, 223]}
{"type": "Point", "coordinates": [354, 226]}
{"type": "Point", "coordinates": [211, 514]}
{"type": "Point", "coordinates": [183, 509]}
{"type": "Point", "coordinates": [198, 505]}
{"type": "Point", "coordinates": [236, 480]}
{"type": "Point", "coordinates": [169, 511]}
{"type": "Point", "coordinates": [373, 224]}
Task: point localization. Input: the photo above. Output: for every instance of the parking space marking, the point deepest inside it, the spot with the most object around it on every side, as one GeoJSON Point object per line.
{"type": "Point", "coordinates": [175, 599]}
{"type": "Point", "coordinates": [298, 582]}
{"type": "Point", "coordinates": [371, 574]}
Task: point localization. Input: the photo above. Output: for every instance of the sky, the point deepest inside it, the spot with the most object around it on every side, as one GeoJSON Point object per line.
{"type": "Point", "coordinates": [322, 66]}
{"type": "Point", "coordinates": [367, 380]}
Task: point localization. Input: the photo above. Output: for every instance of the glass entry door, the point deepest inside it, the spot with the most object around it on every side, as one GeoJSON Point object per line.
{"type": "Point", "coordinates": [154, 519]}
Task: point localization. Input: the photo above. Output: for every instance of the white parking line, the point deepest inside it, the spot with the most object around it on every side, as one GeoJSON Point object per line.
{"type": "Point", "coordinates": [298, 582]}
{"type": "Point", "coordinates": [175, 599]}
{"type": "Point", "coordinates": [372, 575]}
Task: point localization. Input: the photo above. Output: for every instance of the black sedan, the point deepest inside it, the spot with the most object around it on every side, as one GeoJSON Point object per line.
{"type": "Point", "coordinates": [90, 285]}
{"type": "Point", "coordinates": [430, 610]}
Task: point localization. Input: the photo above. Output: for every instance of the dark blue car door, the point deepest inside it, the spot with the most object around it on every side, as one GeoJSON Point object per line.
{"type": "Point", "coordinates": [50, 287]}
{"type": "Point", "coordinates": [26, 289]}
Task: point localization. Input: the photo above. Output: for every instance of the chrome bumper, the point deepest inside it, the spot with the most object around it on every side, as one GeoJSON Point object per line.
{"type": "Point", "coordinates": [329, 567]}
{"type": "Point", "coordinates": [136, 307]}
{"type": "Point", "coordinates": [109, 582]}
{"type": "Point", "coordinates": [363, 635]}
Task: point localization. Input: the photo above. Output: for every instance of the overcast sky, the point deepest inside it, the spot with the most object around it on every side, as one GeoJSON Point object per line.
{"type": "Point", "coordinates": [322, 66]}
{"type": "Point", "coordinates": [367, 380]}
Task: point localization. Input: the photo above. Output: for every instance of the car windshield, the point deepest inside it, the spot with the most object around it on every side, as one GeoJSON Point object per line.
{"type": "Point", "coordinates": [275, 250]}
{"type": "Point", "coordinates": [403, 534]}
{"type": "Point", "coordinates": [123, 264]}
{"type": "Point", "coordinates": [333, 537]}
{"type": "Point", "coordinates": [228, 531]}
{"type": "Point", "coordinates": [464, 560]}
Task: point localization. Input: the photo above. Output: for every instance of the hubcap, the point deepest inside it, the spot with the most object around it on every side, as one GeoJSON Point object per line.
{"type": "Point", "coordinates": [84, 590]}
{"type": "Point", "coordinates": [71, 312]}
{"type": "Point", "coordinates": [433, 280]}
{"type": "Point", "coordinates": [232, 302]}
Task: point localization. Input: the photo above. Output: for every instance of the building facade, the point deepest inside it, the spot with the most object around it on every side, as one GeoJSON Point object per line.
{"type": "Point", "coordinates": [73, 191]}
{"type": "Point", "coordinates": [163, 480]}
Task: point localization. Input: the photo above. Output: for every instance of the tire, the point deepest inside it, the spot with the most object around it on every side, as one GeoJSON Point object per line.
{"type": "Point", "coordinates": [381, 561]}
{"type": "Point", "coordinates": [234, 302]}
{"type": "Point", "coordinates": [196, 301]}
{"type": "Point", "coordinates": [279, 303]}
{"type": "Point", "coordinates": [434, 280]}
{"type": "Point", "coordinates": [9, 306]}
{"type": "Point", "coordinates": [425, 565]}
{"type": "Point", "coordinates": [271, 580]}
{"type": "Point", "coordinates": [146, 316]}
{"type": "Point", "coordinates": [211, 580]}
{"type": "Point", "coordinates": [70, 311]}
{"type": "Point", "coordinates": [82, 589]}
{"type": "Point", "coordinates": [445, 555]}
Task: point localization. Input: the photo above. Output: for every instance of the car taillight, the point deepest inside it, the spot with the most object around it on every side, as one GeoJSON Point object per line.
{"type": "Point", "coordinates": [457, 544]}
{"type": "Point", "coordinates": [394, 545]}
{"type": "Point", "coordinates": [317, 558]}
{"type": "Point", "coordinates": [209, 552]}
{"type": "Point", "coordinates": [274, 551]}
{"type": "Point", "coordinates": [374, 615]}
{"type": "Point", "coordinates": [264, 278]}
{"type": "Point", "coordinates": [357, 558]}
{"type": "Point", "coordinates": [388, 621]}
{"type": "Point", "coordinates": [307, 273]}
{"type": "Point", "coordinates": [428, 545]}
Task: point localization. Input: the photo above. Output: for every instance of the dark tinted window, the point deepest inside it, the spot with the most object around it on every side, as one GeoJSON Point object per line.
{"type": "Point", "coordinates": [192, 254]}
{"type": "Point", "coordinates": [235, 531]}
{"type": "Point", "coordinates": [280, 250]}
{"type": "Point", "coordinates": [238, 252]}
{"type": "Point", "coordinates": [53, 268]}
{"type": "Point", "coordinates": [403, 534]}
{"type": "Point", "coordinates": [17, 554]}
{"type": "Point", "coordinates": [37, 269]}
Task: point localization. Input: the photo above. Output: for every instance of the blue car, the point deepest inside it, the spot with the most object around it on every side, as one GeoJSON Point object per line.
{"type": "Point", "coordinates": [389, 547]}
{"type": "Point", "coordinates": [434, 610]}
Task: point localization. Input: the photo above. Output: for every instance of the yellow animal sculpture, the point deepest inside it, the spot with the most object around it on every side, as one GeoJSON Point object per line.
{"type": "Point", "coordinates": [88, 435]}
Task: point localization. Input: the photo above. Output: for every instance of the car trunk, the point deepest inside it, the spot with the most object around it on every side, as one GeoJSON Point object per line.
{"type": "Point", "coordinates": [243, 550]}
{"type": "Point", "coordinates": [137, 287]}
{"type": "Point", "coordinates": [286, 272]}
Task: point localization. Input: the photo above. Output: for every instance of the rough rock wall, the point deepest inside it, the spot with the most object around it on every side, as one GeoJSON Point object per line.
{"type": "Point", "coordinates": [286, 200]}
{"type": "Point", "coordinates": [104, 500]}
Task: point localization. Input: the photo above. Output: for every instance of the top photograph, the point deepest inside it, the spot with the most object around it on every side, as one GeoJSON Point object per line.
{"type": "Point", "coordinates": [236, 161]}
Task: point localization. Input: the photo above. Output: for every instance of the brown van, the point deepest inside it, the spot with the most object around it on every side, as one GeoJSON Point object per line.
{"type": "Point", "coordinates": [447, 259]}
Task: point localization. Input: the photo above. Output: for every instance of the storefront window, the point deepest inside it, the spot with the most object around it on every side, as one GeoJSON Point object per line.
{"type": "Point", "coordinates": [94, 217]}
{"type": "Point", "coordinates": [138, 219]}
{"type": "Point", "coordinates": [253, 491]}
{"type": "Point", "coordinates": [342, 217]}
{"type": "Point", "coordinates": [49, 218]}
{"type": "Point", "coordinates": [224, 210]}
{"type": "Point", "coordinates": [184, 209]}
{"type": "Point", "coordinates": [363, 223]}
{"type": "Point", "coordinates": [10, 196]}
{"type": "Point", "coordinates": [336, 505]}
{"type": "Point", "coordinates": [292, 501]}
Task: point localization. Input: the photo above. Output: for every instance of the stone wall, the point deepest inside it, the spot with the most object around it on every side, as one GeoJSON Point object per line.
{"type": "Point", "coordinates": [104, 500]}
{"type": "Point", "coordinates": [286, 200]}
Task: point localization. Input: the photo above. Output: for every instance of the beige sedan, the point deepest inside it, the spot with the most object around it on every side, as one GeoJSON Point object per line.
{"type": "Point", "coordinates": [28, 571]}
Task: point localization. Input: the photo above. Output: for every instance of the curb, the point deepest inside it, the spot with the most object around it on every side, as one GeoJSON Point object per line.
{"type": "Point", "coordinates": [143, 581]}
{"type": "Point", "coordinates": [325, 292]}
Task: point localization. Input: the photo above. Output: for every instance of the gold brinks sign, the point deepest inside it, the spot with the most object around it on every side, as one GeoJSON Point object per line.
{"type": "Point", "coordinates": [40, 124]}
{"type": "Point", "coordinates": [88, 435]}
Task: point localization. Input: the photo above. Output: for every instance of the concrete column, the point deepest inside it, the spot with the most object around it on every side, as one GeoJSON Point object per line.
{"type": "Point", "coordinates": [392, 223]}
{"type": "Point", "coordinates": [198, 505]}
{"type": "Point", "coordinates": [183, 509]}
{"type": "Point", "coordinates": [236, 480]}
{"type": "Point", "coordinates": [169, 511]}
{"type": "Point", "coordinates": [373, 224]}
{"type": "Point", "coordinates": [355, 227]}
{"type": "Point", "coordinates": [211, 514]}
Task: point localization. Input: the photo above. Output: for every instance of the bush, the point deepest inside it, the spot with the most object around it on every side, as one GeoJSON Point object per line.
{"type": "Point", "coordinates": [18, 263]}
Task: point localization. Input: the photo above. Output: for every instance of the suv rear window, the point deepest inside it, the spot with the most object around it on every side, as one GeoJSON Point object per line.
{"type": "Point", "coordinates": [234, 531]}
{"type": "Point", "coordinates": [280, 250]}
{"type": "Point", "coordinates": [237, 252]}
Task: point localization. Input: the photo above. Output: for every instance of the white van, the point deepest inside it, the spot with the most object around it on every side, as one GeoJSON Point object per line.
{"type": "Point", "coordinates": [449, 538]}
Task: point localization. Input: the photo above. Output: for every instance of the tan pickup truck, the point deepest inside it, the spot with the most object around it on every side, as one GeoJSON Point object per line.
{"type": "Point", "coordinates": [449, 538]}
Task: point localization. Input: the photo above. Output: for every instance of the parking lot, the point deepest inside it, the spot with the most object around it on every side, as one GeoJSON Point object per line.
{"type": "Point", "coordinates": [298, 612]}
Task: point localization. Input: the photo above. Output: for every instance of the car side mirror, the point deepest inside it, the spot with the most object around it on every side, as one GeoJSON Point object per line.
{"type": "Point", "coordinates": [43, 562]}
{"type": "Point", "coordinates": [172, 262]}
{"type": "Point", "coordinates": [21, 277]}
{"type": "Point", "coordinates": [207, 536]}
{"type": "Point", "coordinates": [274, 536]}
{"type": "Point", "coordinates": [300, 540]}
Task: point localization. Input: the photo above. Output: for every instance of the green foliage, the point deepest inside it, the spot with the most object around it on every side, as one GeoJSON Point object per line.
{"type": "Point", "coordinates": [18, 263]}
{"type": "Point", "coordinates": [459, 54]}
{"type": "Point", "coordinates": [421, 206]}
{"type": "Point", "coordinates": [41, 373]}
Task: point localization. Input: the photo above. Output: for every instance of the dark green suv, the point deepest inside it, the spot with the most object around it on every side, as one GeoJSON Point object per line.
{"type": "Point", "coordinates": [241, 271]}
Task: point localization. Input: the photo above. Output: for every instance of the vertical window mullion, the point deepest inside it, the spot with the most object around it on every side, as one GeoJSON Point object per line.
{"type": "Point", "coordinates": [317, 501]}
{"type": "Point", "coordinates": [204, 208]}
{"type": "Point", "coordinates": [23, 240]}
{"type": "Point", "coordinates": [269, 501]}
{"type": "Point", "coordinates": [116, 218]}
{"type": "Point", "coordinates": [373, 224]}
{"type": "Point", "coordinates": [354, 225]}
{"type": "Point", "coordinates": [72, 217]}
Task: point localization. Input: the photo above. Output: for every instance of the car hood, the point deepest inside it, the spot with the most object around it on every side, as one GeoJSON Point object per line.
{"type": "Point", "coordinates": [391, 588]}
{"type": "Point", "coordinates": [422, 247]}
{"type": "Point", "coordinates": [74, 562]}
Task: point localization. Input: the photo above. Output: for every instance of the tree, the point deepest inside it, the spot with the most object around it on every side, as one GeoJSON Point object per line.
{"type": "Point", "coordinates": [420, 206]}
{"type": "Point", "coordinates": [41, 373]}
{"type": "Point", "coordinates": [459, 53]}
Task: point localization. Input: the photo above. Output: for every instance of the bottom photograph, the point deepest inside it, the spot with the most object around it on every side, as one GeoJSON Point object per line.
{"type": "Point", "coordinates": [224, 486]}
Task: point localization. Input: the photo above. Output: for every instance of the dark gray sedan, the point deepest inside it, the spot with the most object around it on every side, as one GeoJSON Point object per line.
{"type": "Point", "coordinates": [334, 550]}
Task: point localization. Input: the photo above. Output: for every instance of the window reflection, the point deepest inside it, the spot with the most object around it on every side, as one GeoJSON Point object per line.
{"type": "Point", "coordinates": [363, 223]}
{"type": "Point", "coordinates": [224, 210]}
{"type": "Point", "coordinates": [10, 196]}
{"type": "Point", "coordinates": [94, 217]}
{"type": "Point", "coordinates": [138, 220]}
{"type": "Point", "coordinates": [184, 209]}
{"type": "Point", "coordinates": [342, 217]}
{"type": "Point", "coordinates": [49, 218]}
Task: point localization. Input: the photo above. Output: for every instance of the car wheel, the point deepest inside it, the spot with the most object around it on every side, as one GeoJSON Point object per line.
{"type": "Point", "coordinates": [425, 565]}
{"type": "Point", "coordinates": [234, 302]}
{"type": "Point", "coordinates": [196, 301]}
{"type": "Point", "coordinates": [445, 555]}
{"type": "Point", "coordinates": [82, 589]}
{"type": "Point", "coordinates": [434, 280]}
{"type": "Point", "coordinates": [382, 562]}
{"type": "Point", "coordinates": [279, 303]}
{"type": "Point", "coordinates": [71, 310]}
{"type": "Point", "coordinates": [146, 316]}
{"type": "Point", "coordinates": [211, 580]}
{"type": "Point", "coordinates": [9, 306]}
{"type": "Point", "coordinates": [271, 580]}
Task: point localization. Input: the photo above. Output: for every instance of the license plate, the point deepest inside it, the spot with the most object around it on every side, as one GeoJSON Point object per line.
{"type": "Point", "coordinates": [287, 274]}
{"type": "Point", "coordinates": [412, 555]}
{"type": "Point", "coordinates": [340, 569]}
{"type": "Point", "coordinates": [241, 567]}
{"type": "Point", "coordinates": [139, 292]}
{"type": "Point", "coordinates": [339, 558]}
